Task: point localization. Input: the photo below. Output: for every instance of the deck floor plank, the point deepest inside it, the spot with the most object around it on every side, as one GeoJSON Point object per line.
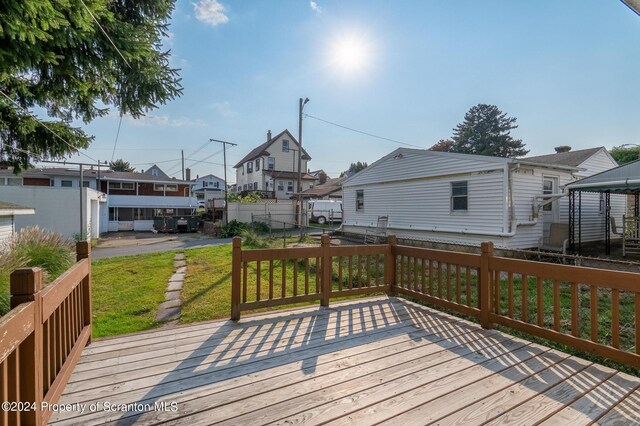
{"type": "Point", "coordinates": [363, 361]}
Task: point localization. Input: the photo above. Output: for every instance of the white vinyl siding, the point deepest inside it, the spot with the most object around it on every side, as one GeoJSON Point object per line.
{"type": "Point", "coordinates": [6, 229]}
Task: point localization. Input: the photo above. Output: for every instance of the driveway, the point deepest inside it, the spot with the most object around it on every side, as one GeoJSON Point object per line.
{"type": "Point", "coordinates": [131, 243]}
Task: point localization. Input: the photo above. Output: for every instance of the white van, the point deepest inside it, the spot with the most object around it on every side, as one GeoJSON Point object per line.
{"type": "Point", "coordinates": [323, 211]}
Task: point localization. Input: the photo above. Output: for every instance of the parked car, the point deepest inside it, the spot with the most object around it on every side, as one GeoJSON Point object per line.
{"type": "Point", "coordinates": [322, 211]}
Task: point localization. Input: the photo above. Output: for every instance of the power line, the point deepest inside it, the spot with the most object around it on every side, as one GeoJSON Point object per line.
{"type": "Point", "coordinates": [117, 135]}
{"type": "Point", "coordinates": [15, 148]}
{"type": "Point", "coordinates": [105, 33]}
{"type": "Point", "coordinates": [47, 127]}
{"type": "Point", "coordinates": [361, 132]}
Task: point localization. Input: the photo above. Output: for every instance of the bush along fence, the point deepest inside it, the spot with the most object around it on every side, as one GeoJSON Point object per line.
{"type": "Point", "coordinates": [41, 339]}
{"type": "Point", "coordinates": [593, 310]}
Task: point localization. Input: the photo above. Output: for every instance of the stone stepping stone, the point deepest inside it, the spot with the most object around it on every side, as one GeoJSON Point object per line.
{"type": "Point", "coordinates": [172, 295]}
{"type": "Point", "coordinates": [168, 314]}
{"type": "Point", "coordinates": [169, 310]}
{"type": "Point", "coordinates": [175, 286]}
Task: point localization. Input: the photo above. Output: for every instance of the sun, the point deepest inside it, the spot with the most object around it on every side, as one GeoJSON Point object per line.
{"type": "Point", "coordinates": [349, 54]}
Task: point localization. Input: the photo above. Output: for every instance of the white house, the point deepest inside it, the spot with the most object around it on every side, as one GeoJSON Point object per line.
{"type": "Point", "coordinates": [464, 198]}
{"type": "Point", "coordinates": [8, 211]}
{"type": "Point", "coordinates": [272, 167]}
{"type": "Point", "coordinates": [208, 187]}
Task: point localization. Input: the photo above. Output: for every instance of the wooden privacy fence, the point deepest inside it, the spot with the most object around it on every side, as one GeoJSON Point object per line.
{"type": "Point", "coordinates": [41, 339]}
{"type": "Point", "coordinates": [593, 310]}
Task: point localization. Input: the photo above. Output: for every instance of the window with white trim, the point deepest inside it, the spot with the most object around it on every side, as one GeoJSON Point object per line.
{"type": "Point", "coordinates": [285, 145]}
{"type": "Point", "coordinates": [257, 164]}
{"type": "Point", "coordinates": [271, 163]}
{"type": "Point", "coordinates": [459, 196]}
{"type": "Point", "coordinates": [250, 167]}
{"type": "Point", "coordinates": [547, 189]}
{"type": "Point", "coordinates": [290, 186]}
{"type": "Point", "coordinates": [359, 200]}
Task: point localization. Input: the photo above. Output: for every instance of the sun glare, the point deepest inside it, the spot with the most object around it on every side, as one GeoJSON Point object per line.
{"type": "Point", "coordinates": [349, 54]}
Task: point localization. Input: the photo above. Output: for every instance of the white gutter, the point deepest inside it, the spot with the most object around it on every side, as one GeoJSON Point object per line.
{"type": "Point", "coordinates": [16, 212]}
{"type": "Point", "coordinates": [603, 185]}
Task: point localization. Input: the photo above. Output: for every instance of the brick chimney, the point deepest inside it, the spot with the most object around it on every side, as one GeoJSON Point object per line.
{"type": "Point", "coordinates": [562, 148]}
{"type": "Point", "coordinates": [268, 135]}
{"type": "Point", "coordinates": [187, 173]}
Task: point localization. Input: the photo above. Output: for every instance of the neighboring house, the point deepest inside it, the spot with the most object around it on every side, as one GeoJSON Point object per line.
{"type": "Point", "coordinates": [7, 223]}
{"type": "Point", "coordinates": [330, 190]}
{"type": "Point", "coordinates": [468, 199]}
{"type": "Point", "coordinates": [119, 200]}
{"type": "Point", "coordinates": [208, 187]}
{"type": "Point", "coordinates": [272, 168]}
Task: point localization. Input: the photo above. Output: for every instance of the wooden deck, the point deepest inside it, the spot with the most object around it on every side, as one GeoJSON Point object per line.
{"type": "Point", "coordinates": [377, 360]}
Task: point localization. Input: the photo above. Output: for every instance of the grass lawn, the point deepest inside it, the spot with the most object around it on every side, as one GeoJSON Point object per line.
{"type": "Point", "coordinates": [127, 291]}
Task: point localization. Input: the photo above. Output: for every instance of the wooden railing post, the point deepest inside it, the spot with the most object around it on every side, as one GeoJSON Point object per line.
{"type": "Point", "coordinates": [484, 284]}
{"type": "Point", "coordinates": [327, 270]}
{"type": "Point", "coordinates": [25, 286]}
{"type": "Point", "coordinates": [83, 251]}
{"type": "Point", "coordinates": [390, 264]}
{"type": "Point", "coordinates": [236, 266]}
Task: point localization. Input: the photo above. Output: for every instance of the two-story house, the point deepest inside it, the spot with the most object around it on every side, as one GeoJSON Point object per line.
{"type": "Point", "coordinates": [272, 168]}
{"type": "Point", "coordinates": [208, 187]}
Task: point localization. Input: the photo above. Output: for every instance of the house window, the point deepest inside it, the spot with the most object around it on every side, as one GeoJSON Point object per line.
{"type": "Point", "coordinates": [127, 185]}
{"type": "Point", "coordinates": [290, 186]}
{"type": "Point", "coordinates": [158, 187]}
{"type": "Point", "coordinates": [280, 185]}
{"type": "Point", "coordinates": [216, 184]}
{"type": "Point", "coordinates": [285, 145]}
{"type": "Point", "coordinates": [250, 167]}
{"type": "Point", "coordinates": [547, 189]}
{"type": "Point", "coordinates": [66, 183]}
{"type": "Point", "coordinates": [255, 186]}
{"type": "Point", "coordinates": [14, 181]}
{"type": "Point", "coordinates": [171, 188]}
{"type": "Point", "coordinates": [459, 196]}
{"type": "Point", "coordinates": [257, 164]}
{"type": "Point", "coordinates": [359, 200]}
{"type": "Point", "coordinates": [244, 187]}
{"type": "Point", "coordinates": [271, 163]}
{"type": "Point", "coordinates": [205, 184]}
{"type": "Point", "coordinates": [121, 185]}
{"type": "Point", "coordinates": [85, 184]}
{"type": "Point", "coordinates": [154, 172]}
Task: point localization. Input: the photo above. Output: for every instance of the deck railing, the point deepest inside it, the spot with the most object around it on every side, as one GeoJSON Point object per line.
{"type": "Point", "coordinates": [41, 339]}
{"type": "Point", "coordinates": [594, 310]}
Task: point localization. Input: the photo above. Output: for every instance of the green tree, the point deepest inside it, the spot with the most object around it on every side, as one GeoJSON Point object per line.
{"type": "Point", "coordinates": [121, 166]}
{"type": "Point", "coordinates": [354, 168]}
{"type": "Point", "coordinates": [55, 59]}
{"type": "Point", "coordinates": [443, 145]}
{"type": "Point", "coordinates": [487, 131]}
{"type": "Point", "coordinates": [625, 155]}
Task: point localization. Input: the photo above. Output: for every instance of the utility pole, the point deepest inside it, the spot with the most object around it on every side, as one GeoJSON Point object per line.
{"type": "Point", "coordinates": [224, 153]}
{"type": "Point", "coordinates": [182, 152]}
{"type": "Point", "coordinates": [299, 206]}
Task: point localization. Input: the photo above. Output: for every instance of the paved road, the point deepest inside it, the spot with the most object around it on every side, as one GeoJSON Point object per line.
{"type": "Point", "coordinates": [143, 247]}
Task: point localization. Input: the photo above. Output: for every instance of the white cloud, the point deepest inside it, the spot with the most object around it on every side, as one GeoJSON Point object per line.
{"type": "Point", "coordinates": [224, 109]}
{"type": "Point", "coordinates": [210, 12]}
{"type": "Point", "coordinates": [314, 6]}
{"type": "Point", "coordinates": [151, 120]}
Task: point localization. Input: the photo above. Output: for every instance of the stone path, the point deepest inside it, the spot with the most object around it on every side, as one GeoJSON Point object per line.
{"type": "Point", "coordinates": [169, 310]}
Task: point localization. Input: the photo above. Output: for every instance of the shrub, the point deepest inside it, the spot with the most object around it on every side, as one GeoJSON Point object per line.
{"type": "Point", "coordinates": [46, 249]}
{"type": "Point", "coordinates": [252, 240]}
{"type": "Point", "coordinates": [260, 227]}
{"type": "Point", "coordinates": [233, 229]}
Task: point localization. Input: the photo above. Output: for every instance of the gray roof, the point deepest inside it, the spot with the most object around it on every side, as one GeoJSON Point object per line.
{"type": "Point", "coordinates": [622, 179]}
{"type": "Point", "coordinates": [11, 208]}
{"type": "Point", "coordinates": [105, 174]}
{"type": "Point", "coordinates": [571, 158]}
{"type": "Point", "coordinates": [261, 149]}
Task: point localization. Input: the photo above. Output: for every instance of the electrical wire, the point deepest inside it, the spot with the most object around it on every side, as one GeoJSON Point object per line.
{"type": "Point", "coordinates": [117, 135]}
{"type": "Point", "coordinates": [47, 127]}
{"type": "Point", "coordinates": [105, 33]}
{"type": "Point", "coordinates": [31, 154]}
{"type": "Point", "coordinates": [361, 132]}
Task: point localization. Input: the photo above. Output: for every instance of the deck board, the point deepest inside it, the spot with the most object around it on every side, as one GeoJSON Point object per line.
{"type": "Point", "coordinates": [363, 361]}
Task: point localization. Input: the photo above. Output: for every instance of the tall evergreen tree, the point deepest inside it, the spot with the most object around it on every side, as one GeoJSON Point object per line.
{"type": "Point", "coordinates": [55, 58]}
{"type": "Point", "coordinates": [121, 166]}
{"type": "Point", "coordinates": [487, 131]}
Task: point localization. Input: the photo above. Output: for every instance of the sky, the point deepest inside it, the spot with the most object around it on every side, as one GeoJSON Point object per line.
{"type": "Point", "coordinates": [402, 70]}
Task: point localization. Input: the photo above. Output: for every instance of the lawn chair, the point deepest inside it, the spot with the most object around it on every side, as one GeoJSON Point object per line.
{"type": "Point", "coordinates": [377, 234]}
{"type": "Point", "coordinates": [558, 239]}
